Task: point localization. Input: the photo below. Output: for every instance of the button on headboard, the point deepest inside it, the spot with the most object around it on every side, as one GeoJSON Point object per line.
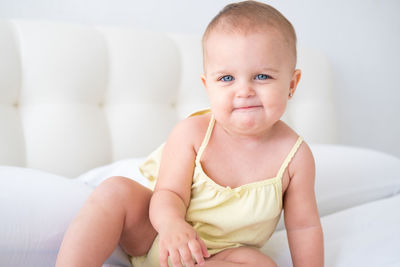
{"type": "Point", "coordinates": [73, 97]}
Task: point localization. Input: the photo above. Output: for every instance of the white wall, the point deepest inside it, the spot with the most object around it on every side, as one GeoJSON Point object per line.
{"type": "Point", "coordinates": [360, 37]}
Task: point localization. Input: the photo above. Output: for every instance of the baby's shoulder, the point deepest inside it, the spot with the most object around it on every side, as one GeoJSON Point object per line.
{"type": "Point", "coordinates": [193, 128]}
{"type": "Point", "coordinates": [196, 123]}
{"type": "Point", "coordinates": [288, 138]}
{"type": "Point", "coordinates": [302, 164]}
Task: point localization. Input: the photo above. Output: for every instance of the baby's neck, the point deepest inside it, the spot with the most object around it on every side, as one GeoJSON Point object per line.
{"type": "Point", "coordinates": [245, 140]}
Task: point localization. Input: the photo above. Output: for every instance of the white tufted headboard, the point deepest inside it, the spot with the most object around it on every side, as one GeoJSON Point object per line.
{"type": "Point", "coordinates": [73, 97]}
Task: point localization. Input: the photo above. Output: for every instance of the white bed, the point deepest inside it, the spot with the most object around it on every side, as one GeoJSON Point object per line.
{"type": "Point", "coordinates": [81, 103]}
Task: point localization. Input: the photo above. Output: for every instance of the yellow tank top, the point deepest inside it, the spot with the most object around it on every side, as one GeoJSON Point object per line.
{"type": "Point", "coordinates": [227, 217]}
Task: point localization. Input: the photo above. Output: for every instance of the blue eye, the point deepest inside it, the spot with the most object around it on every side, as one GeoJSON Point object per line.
{"type": "Point", "coordinates": [262, 77]}
{"type": "Point", "coordinates": [227, 78]}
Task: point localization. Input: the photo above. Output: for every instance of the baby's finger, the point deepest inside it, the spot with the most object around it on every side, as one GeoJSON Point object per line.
{"type": "Point", "coordinates": [186, 256]}
{"type": "Point", "coordinates": [203, 247]}
{"type": "Point", "coordinates": [175, 258]}
{"type": "Point", "coordinates": [163, 257]}
{"type": "Point", "coordinates": [196, 250]}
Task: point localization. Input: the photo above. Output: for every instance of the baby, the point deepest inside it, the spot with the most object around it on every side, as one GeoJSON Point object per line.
{"type": "Point", "coordinates": [225, 174]}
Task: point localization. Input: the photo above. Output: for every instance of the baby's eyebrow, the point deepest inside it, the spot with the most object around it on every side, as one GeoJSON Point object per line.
{"type": "Point", "coordinates": [265, 69]}
{"type": "Point", "coordinates": [269, 70]}
{"type": "Point", "coordinates": [219, 73]}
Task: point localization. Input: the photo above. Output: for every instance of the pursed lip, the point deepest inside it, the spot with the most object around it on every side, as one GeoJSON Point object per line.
{"type": "Point", "coordinates": [249, 107]}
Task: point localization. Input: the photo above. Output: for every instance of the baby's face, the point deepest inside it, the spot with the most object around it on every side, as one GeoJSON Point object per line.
{"type": "Point", "coordinates": [248, 79]}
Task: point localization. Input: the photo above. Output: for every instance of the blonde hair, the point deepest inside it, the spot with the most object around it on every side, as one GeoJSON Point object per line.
{"type": "Point", "coordinates": [250, 16]}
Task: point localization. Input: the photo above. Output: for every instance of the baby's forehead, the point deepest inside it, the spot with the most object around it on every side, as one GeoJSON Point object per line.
{"type": "Point", "coordinates": [274, 32]}
{"type": "Point", "coordinates": [272, 42]}
{"type": "Point", "coordinates": [268, 35]}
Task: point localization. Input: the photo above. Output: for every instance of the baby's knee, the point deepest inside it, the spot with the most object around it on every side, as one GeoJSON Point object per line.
{"type": "Point", "coordinates": [249, 257]}
{"type": "Point", "coordinates": [122, 190]}
{"type": "Point", "coordinates": [257, 258]}
{"type": "Point", "coordinates": [260, 259]}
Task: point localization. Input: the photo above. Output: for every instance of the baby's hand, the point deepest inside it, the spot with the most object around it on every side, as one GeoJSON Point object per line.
{"type": "Point", "coordinates": [180, 242]}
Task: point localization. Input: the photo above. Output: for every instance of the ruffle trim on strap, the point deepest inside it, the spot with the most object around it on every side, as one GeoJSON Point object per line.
{"type": "Point", "coordinates": [290, 156]}
{"type": "Point", "coordinates": [206, 139]}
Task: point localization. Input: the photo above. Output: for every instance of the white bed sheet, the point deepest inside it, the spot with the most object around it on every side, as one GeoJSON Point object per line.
{"type": "Point", "coordinates": [365, 235]}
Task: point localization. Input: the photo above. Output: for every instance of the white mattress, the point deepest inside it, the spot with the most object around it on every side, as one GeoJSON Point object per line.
{"type": "Point", "coordinates": [366, 235]}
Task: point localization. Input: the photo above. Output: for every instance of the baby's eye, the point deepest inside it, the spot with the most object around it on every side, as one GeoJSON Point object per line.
{"type": "Point", "coordinates": [262, 77]}
{"type": "Point", "coordinates": [227, 78]}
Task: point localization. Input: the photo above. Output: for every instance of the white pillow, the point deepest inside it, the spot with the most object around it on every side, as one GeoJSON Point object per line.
{"type": "Point", "coordinates": [127, 168]}
{"type": "Point", "coordinates": [36, 208]}
{"type": "Point", "coordinates": [349, 176]}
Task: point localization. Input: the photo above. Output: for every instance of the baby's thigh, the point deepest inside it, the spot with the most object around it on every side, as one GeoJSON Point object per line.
{"type": "Point", "coordinates": [246, 256]}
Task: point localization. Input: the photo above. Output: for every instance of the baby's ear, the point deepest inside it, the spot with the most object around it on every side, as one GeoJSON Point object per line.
{"type": "Point", "coordinates": [295, 80]}
{"type": "Point", "coordinates": [203, 79]}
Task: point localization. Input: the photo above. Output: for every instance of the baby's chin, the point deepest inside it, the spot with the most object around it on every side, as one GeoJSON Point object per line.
{"type": "Point", "coordinates": [246, 123]}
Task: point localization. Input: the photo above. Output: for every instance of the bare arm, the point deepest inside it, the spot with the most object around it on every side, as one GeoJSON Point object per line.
{"type": "Point", "coordinates": [172, 192]}
{"type": "Point", "coordinates": [171, 198]}
{"type": "Point", "coordinates": [302, 221]}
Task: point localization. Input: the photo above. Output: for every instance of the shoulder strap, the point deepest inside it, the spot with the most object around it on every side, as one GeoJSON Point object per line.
{"type": "Point", "coordinates": [206, 138]}
{"type": "Point", "coordinates": [200, 112]}
{"type": "Point", "coordinates": [290, 156]}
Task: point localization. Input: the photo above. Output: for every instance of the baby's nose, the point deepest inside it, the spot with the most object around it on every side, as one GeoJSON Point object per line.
{"type": "Point", "coordinates": [245, 90]}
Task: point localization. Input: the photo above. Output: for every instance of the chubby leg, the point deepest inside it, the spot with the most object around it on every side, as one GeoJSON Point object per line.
{"type": "Point", "coordinates": [242, 256]}
{"type": "Point", "coordinates": [115, 212]}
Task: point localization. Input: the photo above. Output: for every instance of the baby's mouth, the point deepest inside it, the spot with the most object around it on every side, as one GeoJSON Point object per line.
{"type": "Point", "coordinates": [249, 107]}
